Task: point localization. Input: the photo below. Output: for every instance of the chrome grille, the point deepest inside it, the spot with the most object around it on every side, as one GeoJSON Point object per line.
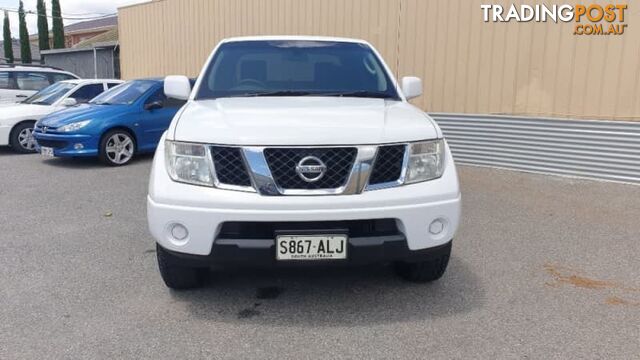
{"type": "Point", "coordinates": [229, 166]}
{"type": "Point", "coordinates": [45, 129]}
{"type": "Point", "coordinates": [283, 161]}
{"type": "Point", "coordinates": [274, 171]}
{"type": "Point", "coordinates": [387, 166]}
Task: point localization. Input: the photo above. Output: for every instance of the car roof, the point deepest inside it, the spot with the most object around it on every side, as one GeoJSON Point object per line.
{"type": "Point", "coordinates": [294, 38]}
{"type": "Point", "coordinates": [90, 81]}
{"type": "Point", "coordinates": [43, 68]}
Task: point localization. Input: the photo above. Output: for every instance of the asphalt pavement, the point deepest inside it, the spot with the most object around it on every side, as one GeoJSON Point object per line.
{"type": "Point", "coordinates": [543, 267]}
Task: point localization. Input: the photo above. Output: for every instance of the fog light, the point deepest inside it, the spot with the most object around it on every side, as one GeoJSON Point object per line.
{"type": "Point", "coordinates": [179, 232]}
{"type": "Point", "coordinates": [78, 146]}
{"type": "Point", "coordinates": [436, 227]}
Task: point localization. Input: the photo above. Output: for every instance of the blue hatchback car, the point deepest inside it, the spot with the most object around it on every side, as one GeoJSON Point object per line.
{"type": "Point", "coordinates": [123, 121]}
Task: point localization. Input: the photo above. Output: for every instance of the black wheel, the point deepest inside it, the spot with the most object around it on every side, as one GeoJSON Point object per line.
{"type": "Point", "coordinates": [177, 276]}
{"type": "Point", "coordinates": [117, 148]}
{"type": "Point", "coordinates": [425, 271]}
{"type": "Point", "coordinates": [21, 138]}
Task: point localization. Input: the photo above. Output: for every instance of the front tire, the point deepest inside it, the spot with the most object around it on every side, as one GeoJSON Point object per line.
{"type": "Point", "coordinates": [178, 277]}
{"type": "Point", "coordinates": [425, 271]}
{"type": "Point", "coordinates": [21, 138]}
{"type": "Point", "coordinates": [117, 148]}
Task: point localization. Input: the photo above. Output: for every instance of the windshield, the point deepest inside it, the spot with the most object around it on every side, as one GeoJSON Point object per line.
{"type": "Point", "coordinates": [50, 94]}
{"type": "Point", "coordinates": [295, 68]}
{"type": "Point", "coordinates": [124, 94]}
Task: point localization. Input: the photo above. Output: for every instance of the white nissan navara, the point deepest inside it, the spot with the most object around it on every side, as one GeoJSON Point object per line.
{"type": "Point", "coordinates": [296, 150]}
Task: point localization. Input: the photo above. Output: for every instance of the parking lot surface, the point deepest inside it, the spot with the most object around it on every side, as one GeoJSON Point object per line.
{"type": "Point", "coordinates": [542, 267]}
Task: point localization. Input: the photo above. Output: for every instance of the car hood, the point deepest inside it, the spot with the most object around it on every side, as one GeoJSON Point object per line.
{"type": "Point", "coordinates": [82, 112]}
{"type": "Point", "coordinates": [8, 101]}
{"type": "Point", "coordinates": [301, 121]}
{"type": "Point", "coordinates": [24, 111]}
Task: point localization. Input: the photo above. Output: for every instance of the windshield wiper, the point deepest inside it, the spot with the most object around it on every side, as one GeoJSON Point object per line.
{"type": "Point", "coordinates": [360, 93]}
{"type": "Point", "coordinates": [275, 93]}
{"type": "Point", "coordinates": [102, 103]}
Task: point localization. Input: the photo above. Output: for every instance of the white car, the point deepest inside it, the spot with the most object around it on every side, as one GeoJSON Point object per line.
{"type": "Point", "coordinates": [17, 120]}
{"type": "Point", "coordinates": [294, 150]}
{"type": "Point", "coordinates": [18, 82]}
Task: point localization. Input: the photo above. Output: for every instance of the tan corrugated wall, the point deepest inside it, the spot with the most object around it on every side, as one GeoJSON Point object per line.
{"type": "Point", "coordinates": [468, 66]}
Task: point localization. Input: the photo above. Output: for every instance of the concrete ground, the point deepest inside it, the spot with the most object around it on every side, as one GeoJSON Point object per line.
{"type": "Point", "coordinates": [543, 268]}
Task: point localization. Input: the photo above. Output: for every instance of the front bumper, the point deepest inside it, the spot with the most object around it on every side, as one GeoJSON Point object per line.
{"type": "Point", "coordinates": [67, 144]}
{"type": "Point", "coordinates": [204, 210]}
{"type": "Point", "coordinates": [361, 251]}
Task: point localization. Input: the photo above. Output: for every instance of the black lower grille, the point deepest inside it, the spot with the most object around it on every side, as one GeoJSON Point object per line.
{"type": "Point", "coordinates": [283, 161]}
{"type": "Point", "coordinates": [388, 164]}
{"type": "Point", "coordinates": [230, 168]}
{"type": "Point", "coordinates": [269, 230]}
{"type": "Point", "coordinates": [56, 144]}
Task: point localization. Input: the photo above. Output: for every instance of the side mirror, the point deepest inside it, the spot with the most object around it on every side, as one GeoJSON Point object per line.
{"type": "Point", "coordinates": [177, 87]}
{"type": "Point", "coordinates": [69, 102]}
{"type": "Point", "coordinates": [411, 87]}
{"type": "Point", "coordinates": [154, 105]}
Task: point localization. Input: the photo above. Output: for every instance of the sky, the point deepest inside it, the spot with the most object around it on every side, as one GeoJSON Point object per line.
{"type": "Point", "coordinates": [70, 8]}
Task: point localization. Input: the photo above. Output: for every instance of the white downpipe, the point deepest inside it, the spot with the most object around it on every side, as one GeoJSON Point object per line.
{"type": "Point", "coordinates": [95, 63]}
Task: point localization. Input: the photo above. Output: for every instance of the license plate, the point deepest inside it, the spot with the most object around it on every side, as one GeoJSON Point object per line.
{"type": "Point", "coordinates": [46, 151]}
{"type": "Point", "coordinates": [311, 247]}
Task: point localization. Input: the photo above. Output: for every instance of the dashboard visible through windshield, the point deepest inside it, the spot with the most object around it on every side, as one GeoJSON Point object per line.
{"type": "Point", "coordinates": [295, 68]}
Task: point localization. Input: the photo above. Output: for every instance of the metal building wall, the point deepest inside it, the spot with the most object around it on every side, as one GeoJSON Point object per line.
{"type": "Point", "coordinates": [606, 150]}
{"type": "Point", "coordinates": [81, 63]}
{"type": "Point", "coordinates": [468, 66]}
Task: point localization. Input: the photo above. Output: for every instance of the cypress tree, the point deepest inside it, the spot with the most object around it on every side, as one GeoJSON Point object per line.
{"type": "Point", "coordinates": [58, 26]}
{"type": "Point", "coordinates": [8, 42]}
{"type": "Point", "coordinates": [43, 26]}
{"type": "Point", "coordinates": [25, 46]}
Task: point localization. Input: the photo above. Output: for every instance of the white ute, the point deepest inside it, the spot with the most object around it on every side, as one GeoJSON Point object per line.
{"type": "Point", "coordinates": [294, 150]}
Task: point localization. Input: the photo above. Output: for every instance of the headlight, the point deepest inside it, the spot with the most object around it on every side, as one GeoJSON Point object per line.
{"type": "Point", "coordinates": [74, 126]}
{"type": "Point", "coordinates": [426, 161]}
{"type": "Point", "coordinates": [188, 163]}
